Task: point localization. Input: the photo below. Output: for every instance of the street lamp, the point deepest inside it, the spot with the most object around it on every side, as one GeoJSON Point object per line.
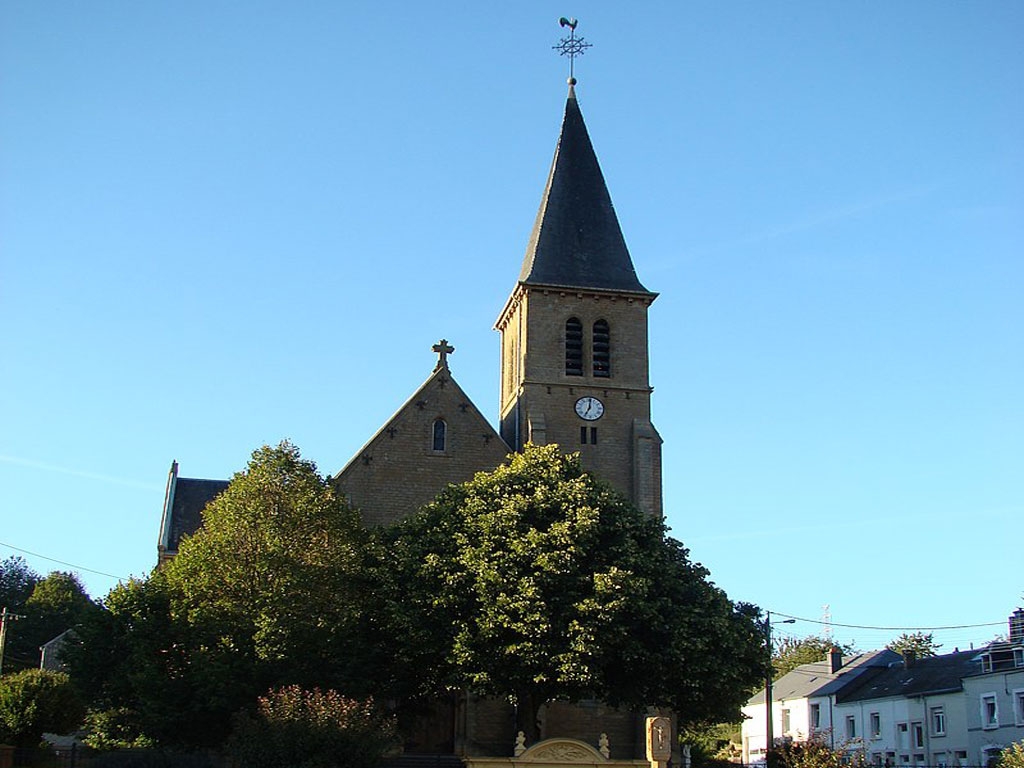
{"type": "Point", "coordinates": [769, 736]}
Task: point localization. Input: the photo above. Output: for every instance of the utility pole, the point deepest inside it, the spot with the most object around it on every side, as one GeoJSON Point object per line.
{"type": "Point", "coordinates": [769, 735]}
{"type": "Point", "coordinates": [5, 617]}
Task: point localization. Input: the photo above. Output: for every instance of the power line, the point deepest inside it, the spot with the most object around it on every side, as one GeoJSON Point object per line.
{"type": "Point", "coordinates": [63, 562]}
{"type": "Point", "coordinates": [896, 629]}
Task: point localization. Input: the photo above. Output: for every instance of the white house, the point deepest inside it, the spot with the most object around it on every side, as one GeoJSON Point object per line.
{"type": "Point", "coordinates": [803, 699]}
{"type": "Point", "coordinates": [994, 695]}
{"type": "Point", "coordinates": [910, 713]}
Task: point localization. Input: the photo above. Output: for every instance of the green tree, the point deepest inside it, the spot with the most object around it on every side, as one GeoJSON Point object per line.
{"type": "Point", "coordinates": [271, 591]}
{"type": "Point", "coordinates": [52, 605]}
{"type": "Point", "coordinates": [788, 653]}
{"type": "Point", "coordinates": [34, 702]}
{"type": "Point", "coordinates": [537, 582]}
{"type": "Point", "coordinates": [135, 662]}
{"type": "Point", "coordinates": [921, 644]}
{"type": "Point", "coordinates": [17, 581]}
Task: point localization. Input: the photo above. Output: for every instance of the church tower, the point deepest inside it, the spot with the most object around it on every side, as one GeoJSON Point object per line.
{"type": "Point", "coordinates": [574, 356]}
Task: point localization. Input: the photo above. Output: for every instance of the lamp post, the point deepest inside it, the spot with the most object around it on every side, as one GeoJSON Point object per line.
{"type": "Point", "coordinates": [769, 736]}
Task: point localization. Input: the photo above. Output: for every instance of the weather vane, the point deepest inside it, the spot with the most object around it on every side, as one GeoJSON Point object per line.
{"type": "Point", "coordinates": [571, 46]}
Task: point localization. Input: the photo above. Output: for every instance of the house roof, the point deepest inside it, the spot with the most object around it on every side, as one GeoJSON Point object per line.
{"type": "Point", "coordinates": [929, 675]}
{"type": "Point", "coordinates": [816, 679]}
{"type": "Point", "coordinates": [576, 239]}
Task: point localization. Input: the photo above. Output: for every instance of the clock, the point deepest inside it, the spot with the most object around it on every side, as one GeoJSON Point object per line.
{"type": "Point", "coordinates": [589, 408]}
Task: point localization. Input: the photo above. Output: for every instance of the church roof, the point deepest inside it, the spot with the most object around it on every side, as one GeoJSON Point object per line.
{"type": "Point", "coordinates": [184, 502]}
{"type": "Point", "coordinates": [576, 240]}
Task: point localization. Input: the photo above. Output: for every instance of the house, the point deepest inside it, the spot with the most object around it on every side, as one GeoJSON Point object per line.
{"type": "Point", "coordinates": [994, 696]}
{"type": "Point", "coordinates": [909, 713]}
{"type": "Point", "coordinates": [803, 700]}
{"type": "Point", "coordinates": [574, 371]}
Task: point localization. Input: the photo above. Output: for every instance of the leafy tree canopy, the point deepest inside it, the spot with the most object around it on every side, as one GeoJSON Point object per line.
{"type": "Point", "coordinates": [269, 592]}
{"type": "Point", "coordinates": [788, 653]}
{"type": "Point", "coordinates": [921, 644]}
{"type": "Point", "coordinates": [17, 580]}
{"type": "Point", "coordinates": [46, 607]}
{"type": "Point", "coordinates": [34, 702]}
{"type": "Point", "coordinates": [536, 581]}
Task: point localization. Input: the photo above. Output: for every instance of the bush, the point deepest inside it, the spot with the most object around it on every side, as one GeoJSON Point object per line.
{"type": "Point", "coordinates": [34, 702]}
{"type": "Point", "coordinates": [816, 754]}
{"type": "Point", "coordinates": [1012, 756]}
{"type": "Point", "coordinates": [154, 758]}
{"type": "Point", "coordinates": [116, 728]}
{"type": "Point", "coordinates": [311, 729]}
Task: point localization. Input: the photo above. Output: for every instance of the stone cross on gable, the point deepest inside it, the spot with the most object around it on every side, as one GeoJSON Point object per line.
{"type": "Point", "coordinates": [443, 349]}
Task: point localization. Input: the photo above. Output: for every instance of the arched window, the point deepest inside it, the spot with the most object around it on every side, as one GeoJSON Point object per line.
{"type": "Point", "coordinates": [602, 349]}
{"type": "Point", "coordinates": [440, 434]}
{"type": "Point", "coordinates": [573, 347]}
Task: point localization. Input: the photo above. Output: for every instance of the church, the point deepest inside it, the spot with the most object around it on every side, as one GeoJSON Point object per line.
{"type": "Point", "coordinates": [574, 372]}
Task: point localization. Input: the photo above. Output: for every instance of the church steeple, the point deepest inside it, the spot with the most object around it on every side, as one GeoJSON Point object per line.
{"type": "Point", "coordinates": [576, 240]}
{"type": "Point", "coordinates": [574, 353]}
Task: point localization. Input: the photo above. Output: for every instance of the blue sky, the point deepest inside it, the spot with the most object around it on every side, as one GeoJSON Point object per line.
{"type": "Point", "coordinates": [226, 224]}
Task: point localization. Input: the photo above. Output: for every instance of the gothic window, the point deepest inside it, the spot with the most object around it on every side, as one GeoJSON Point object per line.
{"type": "Point", "coordinates": [573, 347]}
{"type": "Point", "coordinates": [602, 349]}
{"type": "Point", "coordinates": [440, 435]}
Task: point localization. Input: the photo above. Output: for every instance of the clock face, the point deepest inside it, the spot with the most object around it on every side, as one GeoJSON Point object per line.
{"type": "Point", "coordinates": [589, 408]}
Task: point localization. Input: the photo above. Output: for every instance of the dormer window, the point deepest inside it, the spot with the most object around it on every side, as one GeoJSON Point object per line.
{"type": "Point", "coordinates": [440, 436]}
{"type": "Point", "coordinates": [573, 347]}
{"type": "Point", "coordinates": [602, 349]}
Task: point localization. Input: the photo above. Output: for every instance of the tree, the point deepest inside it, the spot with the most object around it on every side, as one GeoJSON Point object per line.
{"type": "Point", "coordinates": [36, 701]}
{"type": "Point", "coordinates": [537, 582]}
{"type": "Point", "coordinates": [17, 581]}
{"type": "Point", "coordinates": [271, 591]}
{"type": "Point", "coordinates": [790, 653]}
{"type": "Point", "coordinates": [46, 606]}
{"type": "Point", "coordinates": [920, 644]}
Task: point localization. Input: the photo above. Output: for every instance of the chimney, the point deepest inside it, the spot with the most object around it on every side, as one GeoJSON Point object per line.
{"type": "Point", "coordinates": [835, 660]}
{"type": "Point", "coordinates": [1017, 626]}
{"type": "Point", "coordinates": [909, 658]}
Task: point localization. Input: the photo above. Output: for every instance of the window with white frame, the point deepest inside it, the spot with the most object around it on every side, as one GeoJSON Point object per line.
{"type": "Point", "coordinates": [938, 718]}
{"type": "Point", "coordinates": [1018, 706]}
{"type": "Point", "coordinates": [901, 735]}
{"type": "Point", "coordinates": [917, 729]}
{"type": "Point", "coordinates": [785, 721]}
{"type": "Point", "coordinates": [940, 760]}
{"type": "Point", "coordinates": [851, 727]}
{"type": "Point", "coordinates": [876, 725]}
{"type": "Point", "coordinates": [989, 711]}
{"type": "Point", "coordinates": [815, 715]}
{"type": "Point", "coordinates": [960, 757]}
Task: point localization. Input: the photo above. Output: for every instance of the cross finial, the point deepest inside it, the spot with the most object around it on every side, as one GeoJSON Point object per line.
{"type": "Point", "coordinates": [443, 349]}
{"type": "Point", "coordinates": [571, 46]}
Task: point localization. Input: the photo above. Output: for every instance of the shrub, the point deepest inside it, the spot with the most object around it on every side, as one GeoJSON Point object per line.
{"type": "Point", "coordinates": [116, 728]}
{"type": "Point", "coordinates": [154, 758]}
{"type": "Point", "coordinates": [1012, 756]}
{"type": "Point", "coordinates": [311, 729]}
{"type": "Point", "coordinates": [816, 754]}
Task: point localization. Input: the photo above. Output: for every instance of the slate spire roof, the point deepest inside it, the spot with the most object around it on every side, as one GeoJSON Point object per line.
{"type": "Point", "coordinates": [576, 240]}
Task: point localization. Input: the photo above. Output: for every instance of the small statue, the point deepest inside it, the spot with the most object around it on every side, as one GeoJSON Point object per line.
{"type": "Point", "coordinates": [520, 744]}
{"type": "Point", "coordinates": [602, 746]}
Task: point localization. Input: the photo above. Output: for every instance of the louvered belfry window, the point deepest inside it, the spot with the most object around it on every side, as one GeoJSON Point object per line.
{"type": "Point", "coordinates": [602, 349]}
{"type": "Point", "coordinates": [573, 347]}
